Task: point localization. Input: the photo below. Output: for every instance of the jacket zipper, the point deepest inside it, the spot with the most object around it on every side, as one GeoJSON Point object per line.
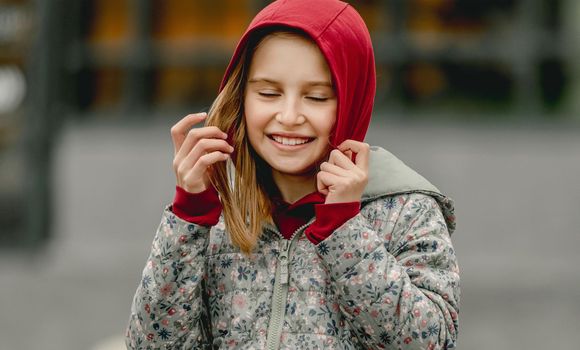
{"type": "Point", "coordinates": [281, 291]}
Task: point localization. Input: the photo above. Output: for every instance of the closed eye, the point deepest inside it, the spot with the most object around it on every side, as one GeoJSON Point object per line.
{"type": "Point", "coordinates": [317, 98]}
{"type": "Point", "coordinates": [268, 94]}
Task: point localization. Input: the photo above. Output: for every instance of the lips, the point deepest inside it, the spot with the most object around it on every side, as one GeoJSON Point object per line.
{"type": "Point", "coordinates": [290, 140]}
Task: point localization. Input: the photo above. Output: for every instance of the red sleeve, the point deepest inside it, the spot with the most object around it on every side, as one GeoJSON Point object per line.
{"type": "Point", "coordinates": [202, 208]}
{"type": "Point", "coordinates": [329, 217]}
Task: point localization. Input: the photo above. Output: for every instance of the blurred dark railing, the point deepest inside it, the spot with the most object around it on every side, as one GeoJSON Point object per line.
{"type": "Point", "coordinates": [507, 57]}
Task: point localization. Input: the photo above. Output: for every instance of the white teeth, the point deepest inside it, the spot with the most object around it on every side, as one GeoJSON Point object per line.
{"type": "Point", "coordinates": [289, 141]}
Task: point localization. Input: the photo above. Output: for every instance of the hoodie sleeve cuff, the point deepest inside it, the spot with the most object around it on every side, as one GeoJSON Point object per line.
{"type": "Point", "coordinates": [329, 217]}
{"type": "Point", "coordinates": [202, 208]}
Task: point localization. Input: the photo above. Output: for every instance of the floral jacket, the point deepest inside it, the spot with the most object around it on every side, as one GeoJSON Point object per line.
{"type": "Point", "coordinates": [386, 279]}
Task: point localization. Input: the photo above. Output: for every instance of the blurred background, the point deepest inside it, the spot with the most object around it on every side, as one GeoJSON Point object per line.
{"type": "Point", "coordinates": [480, 96]}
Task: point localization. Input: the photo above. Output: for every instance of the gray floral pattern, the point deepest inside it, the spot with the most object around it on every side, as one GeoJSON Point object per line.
{"type": "Point", "coordinates": [386, 279]}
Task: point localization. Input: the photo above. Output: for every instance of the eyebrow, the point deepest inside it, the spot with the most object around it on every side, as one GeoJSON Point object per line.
{"type": "Point", "coordinates": [309, 83]}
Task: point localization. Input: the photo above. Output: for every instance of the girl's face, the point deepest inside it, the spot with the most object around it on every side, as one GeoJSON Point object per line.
{"type": "Point", "coordinates": [290, 106]}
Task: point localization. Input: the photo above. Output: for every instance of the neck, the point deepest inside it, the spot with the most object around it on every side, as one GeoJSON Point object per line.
{"type": "Point", "coordinates": [294, 187]}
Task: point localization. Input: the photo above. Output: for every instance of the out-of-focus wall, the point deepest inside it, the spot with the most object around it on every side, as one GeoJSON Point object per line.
{"type": "Point", "coordinates": [570, 14]}
{"type": "Point", "coordinates": [492, 59]}
{"type": "Point", "coordinates": [17, 32]}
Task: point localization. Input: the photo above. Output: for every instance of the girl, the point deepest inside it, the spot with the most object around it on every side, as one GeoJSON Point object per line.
{"type": "Point", "coordinates": [286, 230]}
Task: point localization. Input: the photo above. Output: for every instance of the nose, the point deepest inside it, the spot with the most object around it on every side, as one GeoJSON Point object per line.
{"type": "Point", "coordinates": [290, 113]}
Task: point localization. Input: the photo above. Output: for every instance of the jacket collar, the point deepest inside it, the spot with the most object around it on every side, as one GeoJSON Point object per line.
{"type": "Point", "coordinates": [389, 176]}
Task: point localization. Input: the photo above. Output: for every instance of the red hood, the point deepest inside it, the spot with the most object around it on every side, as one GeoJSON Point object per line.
{"type": "Point", "coordinates": [344, 40]}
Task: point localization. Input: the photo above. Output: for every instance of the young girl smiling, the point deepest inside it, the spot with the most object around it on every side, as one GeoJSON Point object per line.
{"type": "Point", "coordinates": [287, 231]}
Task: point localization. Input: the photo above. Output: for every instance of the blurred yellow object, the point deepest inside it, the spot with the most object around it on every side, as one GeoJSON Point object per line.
{"type": "Point", "coordinates": [112, 22]}
{"type": "Point", "coordinates": [426, 80]}
{"type": "Point", "coordinates": [178, 20]}
{"type": "Point", "coordinates": [174, 85]}
{"type": "Point", "coordinates": [109, 84]}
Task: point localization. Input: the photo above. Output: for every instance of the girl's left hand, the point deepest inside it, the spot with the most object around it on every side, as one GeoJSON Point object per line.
{"type": "Point", "coordinates": [340, 179]}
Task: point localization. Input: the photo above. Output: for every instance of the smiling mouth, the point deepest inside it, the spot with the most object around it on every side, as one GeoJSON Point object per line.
{"type": "Point", "coordinates": [290, 141]}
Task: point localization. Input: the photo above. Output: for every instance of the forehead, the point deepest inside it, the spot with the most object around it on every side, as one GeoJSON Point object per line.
{"type": "Point", "coordinates": [289, 55]}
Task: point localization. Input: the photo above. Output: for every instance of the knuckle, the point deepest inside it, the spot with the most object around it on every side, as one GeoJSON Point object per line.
{"type": "Point", "coordinates": [188, 180]}
{"type": "Point", "coordinates": [205, 159]}
{"type": "Point", "coordinates": [180, 172]}
{"type": "Point", "coordinates": [204, 143]}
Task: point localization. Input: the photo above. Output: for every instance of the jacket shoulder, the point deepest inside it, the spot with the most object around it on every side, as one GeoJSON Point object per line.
{"type": "Point", "coordinates": [388, 212]}
{"type": "Point", "coordinates": [390, 178]}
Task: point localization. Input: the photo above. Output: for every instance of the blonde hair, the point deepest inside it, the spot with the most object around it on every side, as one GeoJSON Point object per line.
{"type": "Point", "coordinates": [246, 204]}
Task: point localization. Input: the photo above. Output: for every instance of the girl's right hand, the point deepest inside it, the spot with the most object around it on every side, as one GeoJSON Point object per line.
{"type": "Point", "coordinates": [195, 150]}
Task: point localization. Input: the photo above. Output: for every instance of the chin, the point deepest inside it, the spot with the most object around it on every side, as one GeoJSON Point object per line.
{"type": "Point", "coordinates": [295, 169]}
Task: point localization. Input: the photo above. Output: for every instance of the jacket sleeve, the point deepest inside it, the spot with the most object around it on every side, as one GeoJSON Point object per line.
{"type": "Point", "coordinates": [395, 271]}
{"type": "Point", "coordinates": [168, 310]}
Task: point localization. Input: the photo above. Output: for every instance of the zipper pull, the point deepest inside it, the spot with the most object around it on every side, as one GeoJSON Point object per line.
{"type": "Point", "coordinates": [283, 260]}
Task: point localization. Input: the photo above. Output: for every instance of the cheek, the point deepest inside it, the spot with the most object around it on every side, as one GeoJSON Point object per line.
{"type": "Point", "coordinates": [255, 127]}
{"type": "Point", "coordinates": [255, 113]}
{"type": "Point", "coordinates": [325, 125]}
{"type": "Point", "coordinates": [324, 118]}
{"type": "Point", "coordinates": [255, 122]}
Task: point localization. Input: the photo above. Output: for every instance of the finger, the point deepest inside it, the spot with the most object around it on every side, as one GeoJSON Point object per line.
{"type": "Point", "coordinates": [340, 159]}
{"type": "Point", "coordinates": [202, 166]}
{"type": "Point", "coordinates": [320, 185]}
{"type": "Point", "coordinates": [209, 159]}
{"type": "Point", "coordinates": [361, 149]}
{"type": "Point", "coordinates": [349, 155]}
{"type": "Point", "coordinates": [195, 135]}
{"type": "Point", "coordinates": [180, 129]}
{"type": "Point", "coordinates": [333, 169]}
{"type": "Point", "coordinates": [203, 147]}
{"type": "Point", "coordinates": [328, 180]}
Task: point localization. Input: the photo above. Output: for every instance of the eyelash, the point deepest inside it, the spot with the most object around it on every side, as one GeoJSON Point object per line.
{"type": "Point", "coordinates": [268, 94]}
{"type": "Point", "coordinates": [313, 98]}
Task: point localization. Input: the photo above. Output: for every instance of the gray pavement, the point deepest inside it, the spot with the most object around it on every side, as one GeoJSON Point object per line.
{"type": "Point", "coordinates": [517, 196]}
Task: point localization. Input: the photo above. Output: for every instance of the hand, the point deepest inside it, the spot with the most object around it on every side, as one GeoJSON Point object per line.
{"type": "Point", "coordinates": [340, 179]}
{"type": "Point", "coordinates": [195, 151]}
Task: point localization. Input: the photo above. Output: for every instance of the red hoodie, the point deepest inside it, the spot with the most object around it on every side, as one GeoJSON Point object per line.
{"type": "Point", "coordinates": [344, 40]}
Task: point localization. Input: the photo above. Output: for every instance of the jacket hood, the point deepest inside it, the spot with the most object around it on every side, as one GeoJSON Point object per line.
{"type": "Point", "coordinates": [344, 40]}
{"type": "Point", "coordinates": [389, 176]}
